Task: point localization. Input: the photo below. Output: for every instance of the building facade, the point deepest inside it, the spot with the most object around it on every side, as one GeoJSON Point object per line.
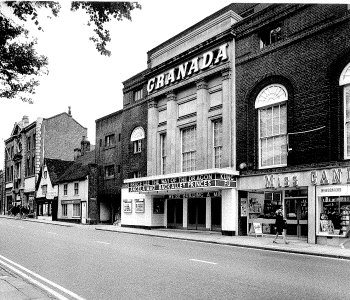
{"type": "Point", "coordinates": [26, 148]}
{"type": "Point", "coordinates": [248, 112]}
{"type": "Point", "coordinates": [77, 189]}
{"type": "Point", "coordinates": [109, 161]}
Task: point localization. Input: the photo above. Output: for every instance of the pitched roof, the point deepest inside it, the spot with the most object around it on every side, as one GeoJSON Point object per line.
{"type": "Point", "coordinates": [55, 168]}
{"type": "Point", "coordinates": [76, 171]}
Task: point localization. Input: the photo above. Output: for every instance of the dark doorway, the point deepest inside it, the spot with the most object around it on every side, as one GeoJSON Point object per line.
{"type": "Point", "coordinates": [175, 213]}
{"type": "Point", "coordinates": [196, 213]}
{"type": "Point", "coordinates": [216, 214]}
{"type": "Point", "coordinates": [54, 209]}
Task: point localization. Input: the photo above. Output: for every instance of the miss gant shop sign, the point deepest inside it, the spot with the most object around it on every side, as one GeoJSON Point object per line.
{"type": "Point", "coordinates": [188, 68]}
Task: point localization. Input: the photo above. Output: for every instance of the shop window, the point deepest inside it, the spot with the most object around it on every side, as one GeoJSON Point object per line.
{"type": "Point", "coordinates": [158, 206]}
{"type": "Point", "coordinates": [65, 189]}
{"type": "Point", "coordinates": [109, 140]}
{"type": "Point", "coordinates": [334, 215]}
{"type": "Point", "coordinates": [109, 171]}
{"type": "Point", "coordinates": [272, 111]}
{"type": "Point", "coordinates": [76, 188]}
{"type": "Point", "coordinates": [270, 36]}
{"type": "Point", "coordinates": [344, 81]}
{"type": "Point", "coordinates": [64, 210]}
{"type": "Point", "coordinates": [217, 141]}
{"type": "Point", "coordinates": [136, 138]}
{"type": "Point", "coordinates": [188, 149]}
{"type": "Point", "coordinates": [138, 95]}
{"type": "Point", "coordinates": [76, 210]}
{"type": "Point", "coordinates": [163, 153]}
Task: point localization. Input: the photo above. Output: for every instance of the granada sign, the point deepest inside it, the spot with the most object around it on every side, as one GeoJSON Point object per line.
{"type": "Point", "coordinates": [188, 68]}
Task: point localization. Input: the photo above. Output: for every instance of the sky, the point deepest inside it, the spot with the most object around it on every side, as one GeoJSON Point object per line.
{"type": "Point", "coordinates": [91, 84]}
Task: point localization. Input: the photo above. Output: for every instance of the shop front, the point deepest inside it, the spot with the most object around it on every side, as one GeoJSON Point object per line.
{"type": "Point", "coordinates": [202, 200]}
{"type": "Point", "coordinates": [316, 203]}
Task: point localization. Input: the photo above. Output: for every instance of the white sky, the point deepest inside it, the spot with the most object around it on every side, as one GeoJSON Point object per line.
{"type": "Point", "coordinates": [91, 83]}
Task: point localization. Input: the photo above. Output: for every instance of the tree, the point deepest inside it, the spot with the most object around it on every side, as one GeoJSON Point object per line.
{"type": "Point", "coordinates": [20, 64]}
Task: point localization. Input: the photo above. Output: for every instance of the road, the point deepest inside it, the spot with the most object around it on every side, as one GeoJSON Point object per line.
{"type": "Point", "coordinates": [108, 265]}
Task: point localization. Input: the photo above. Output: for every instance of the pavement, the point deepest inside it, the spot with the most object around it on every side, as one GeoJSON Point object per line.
{"type": "Point", "coordinates": [12, 284]}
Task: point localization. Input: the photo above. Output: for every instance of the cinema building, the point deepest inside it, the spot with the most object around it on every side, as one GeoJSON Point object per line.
{"type": "Point", "coordinates": [248, 112]}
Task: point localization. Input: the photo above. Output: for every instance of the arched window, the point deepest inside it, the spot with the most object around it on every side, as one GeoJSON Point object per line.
{"type": "Point", "coordinates": [272, 110]}
{"type": "Point", "coordinates": [137, 136]}
{"type": "Point", "coordinates": [344, 81]}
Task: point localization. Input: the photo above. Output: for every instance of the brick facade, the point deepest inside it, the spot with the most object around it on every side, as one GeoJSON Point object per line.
{"type": "Point", "coordinates": [109, 155]}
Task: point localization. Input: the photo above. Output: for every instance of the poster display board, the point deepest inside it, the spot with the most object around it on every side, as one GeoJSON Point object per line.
{"type": "Point", "coordinates": [127, 206]}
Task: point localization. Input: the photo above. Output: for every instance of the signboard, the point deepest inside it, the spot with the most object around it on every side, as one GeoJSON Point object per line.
{"type": "Point", "coordinates": [194, 195]}
{"type": "Point", "coordinates": [127, 206]}
{"type": "Point", "coordinates": [257, 229]}
{"type": "Point", "coordinates": [185, 182]}
{"type": "Point", "coordinates": [139, 205]}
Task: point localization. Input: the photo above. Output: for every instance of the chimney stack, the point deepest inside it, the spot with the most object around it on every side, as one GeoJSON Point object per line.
{"type": "Point", "coordinates": [85, 145]}
{"type": "Point", "coordinates": [69, 111]}
{"type": "Point", "coordinates": [25, 121]}
{"type": "Point", "coordinates": [77, 153]}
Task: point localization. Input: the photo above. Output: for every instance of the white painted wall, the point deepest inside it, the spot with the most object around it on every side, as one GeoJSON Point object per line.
{"type": "Point", "coordinates": [52, 191]}
{"type": "Point", "coordinates": [82, 196]}
{"type": "Point", "coordinates": [230, 210]}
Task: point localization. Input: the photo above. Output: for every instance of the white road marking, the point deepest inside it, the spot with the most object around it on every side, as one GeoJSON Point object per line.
{"type": "Point", "coordinates": [51, 232]}
{"type": "Point", "coordinates": [204, 261]}
{"type": "Point", "coordinates": [59, 296]}
{"type": "Point", "coordinates": [102, 242]}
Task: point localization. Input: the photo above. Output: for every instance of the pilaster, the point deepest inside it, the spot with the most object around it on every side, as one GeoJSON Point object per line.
{"type": "Point", "coordinates": [152, 116]}
{"type": "Point", "coordinates": [171, 132]}
{"type": "Point", "coordinates": [226, 120]}
{"type": "Point", "coordinates": [202, 125]}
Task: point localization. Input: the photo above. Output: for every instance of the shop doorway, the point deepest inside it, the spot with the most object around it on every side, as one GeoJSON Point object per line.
{"type": "Point", "coordinates": [216, 214]}
{"type": "Point", "coordinates": [296, 209]}
{"type": "Point", "coordinates": [196, 213]}
{"type": "Point", "coordinates": [174, 213]}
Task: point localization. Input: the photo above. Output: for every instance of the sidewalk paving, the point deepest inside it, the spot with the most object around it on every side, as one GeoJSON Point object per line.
{"type": "Point", "coordinates": [14, 287]}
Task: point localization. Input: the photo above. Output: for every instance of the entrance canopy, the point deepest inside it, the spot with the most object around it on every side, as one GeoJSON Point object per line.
{"type": "Point", "coordinates": [194, 181]}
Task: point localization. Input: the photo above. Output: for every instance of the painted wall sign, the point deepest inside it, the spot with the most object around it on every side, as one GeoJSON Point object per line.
{"type": "Point", "coordinates": [188, 68]}
{"type": "Point", "coordinates": [184, 182]}
{"type": "Point", "coordinates": [330, 176]}
{"type": "Point", "coordinates": [278, 181]}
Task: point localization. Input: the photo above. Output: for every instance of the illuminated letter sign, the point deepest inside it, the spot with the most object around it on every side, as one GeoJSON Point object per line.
{"type": "Point", "coordinates": [188, 68]}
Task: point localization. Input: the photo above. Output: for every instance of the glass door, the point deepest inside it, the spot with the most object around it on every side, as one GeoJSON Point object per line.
{"type": "Point", "coordinates": [174, 213]}
{"type": "Point", "coordinates": [196, 213]}
{"type": "Point", "coordinates": [296, 212]}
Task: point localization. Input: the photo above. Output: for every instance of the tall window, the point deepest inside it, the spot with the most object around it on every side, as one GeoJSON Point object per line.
{"type": "Point", "coordinates": [109, 171]}
{"type": "Point", "coordinates": [76, 188]}
{"type": "Point", "coordinates": [163, 153]}
{"type": "Point", "coordinates": [76, 210]}
{"type": "Point", "coordinates": [64, 210]}
{"type": "Point", "coordinates": [65, 189]}
{"type": "Point", "coordinates": [345, 82]}
{"type": "Point", "coordinates": [138, 95]}
{"type": "Point", "coordinates": [109, 140]}
{"type": "Point", "coordinates": [29, 144]}
{"type": "Point", "coordinates": [217, 136]}
{"type": "Point", "coordinates": [188, 149]}
{"type": "Point", "coordinates": [136, 138]}
{"type": "Point", "coordinates": [44, 189]}
{"type": "Point", "coordinates": [272, 108]}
